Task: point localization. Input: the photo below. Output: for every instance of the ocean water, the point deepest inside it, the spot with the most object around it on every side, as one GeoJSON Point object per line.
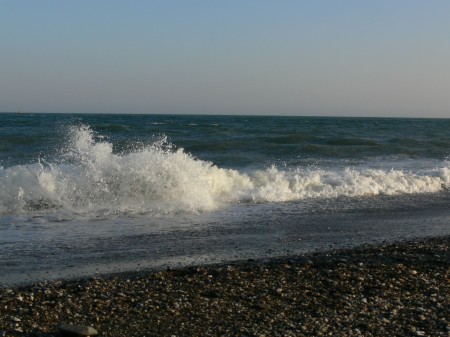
{"type": "Point", "coordinates": [88, 193]}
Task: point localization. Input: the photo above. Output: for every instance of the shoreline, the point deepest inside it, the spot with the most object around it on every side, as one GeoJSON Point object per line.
{"type": "Point", "coordinates": [398, 288]}
{"type": "Point", "coordinates": [72, 250]}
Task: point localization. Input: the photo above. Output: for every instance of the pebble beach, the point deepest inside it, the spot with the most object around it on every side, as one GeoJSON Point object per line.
{"type": "Point", "coordinates": [400, 289]}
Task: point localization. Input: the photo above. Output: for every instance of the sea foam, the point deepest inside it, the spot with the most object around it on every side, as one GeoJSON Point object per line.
{"type": "Point", "coordinates": [160, 179]}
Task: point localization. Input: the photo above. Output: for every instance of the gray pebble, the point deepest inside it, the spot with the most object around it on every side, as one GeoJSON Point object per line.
{"type": "Point", "coordinates": [77, 330]}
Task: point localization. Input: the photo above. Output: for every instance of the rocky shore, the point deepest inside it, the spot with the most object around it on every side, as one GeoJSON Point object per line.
{"type": "Point", "coordinates": [398, 289]}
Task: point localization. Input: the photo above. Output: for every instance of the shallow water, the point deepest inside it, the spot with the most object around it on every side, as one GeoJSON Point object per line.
{"type": "Point", "coordinates": [42, 249]}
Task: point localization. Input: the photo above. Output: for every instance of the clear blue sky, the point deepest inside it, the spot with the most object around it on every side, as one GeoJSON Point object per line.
{"type": "Point", "coordinates": [350, 57]}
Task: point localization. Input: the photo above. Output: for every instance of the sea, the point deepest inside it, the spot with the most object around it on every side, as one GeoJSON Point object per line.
{"type": "Point", "coordinates": [87, 194]}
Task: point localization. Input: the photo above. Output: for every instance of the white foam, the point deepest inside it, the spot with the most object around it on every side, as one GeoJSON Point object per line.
{"type": "Point", "coordinates": [158, 179]}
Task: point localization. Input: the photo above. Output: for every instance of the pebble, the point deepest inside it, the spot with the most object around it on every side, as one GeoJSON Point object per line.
{"type": "Point", "coordinates": [270, 297]}
{"type": "Point", "coordinates": [76, 330]}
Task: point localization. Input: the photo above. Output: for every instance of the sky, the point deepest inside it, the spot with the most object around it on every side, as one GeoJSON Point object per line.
{"type": "Point", "coordinates": [314, 58]}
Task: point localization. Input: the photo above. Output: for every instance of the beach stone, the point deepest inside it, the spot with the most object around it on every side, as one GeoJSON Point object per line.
{"type": "Point", "coordinates": [314, 304]}
{"type": "Point", "coordinates": [260, 306]}
{"type": "Point", "coordinates": [210, 294]}
{"type": "Point", "coordinates": [77, 330]}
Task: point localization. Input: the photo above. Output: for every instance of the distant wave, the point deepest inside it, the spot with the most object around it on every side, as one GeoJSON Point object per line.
{"type": "Point", "coordinates": [159, 179]}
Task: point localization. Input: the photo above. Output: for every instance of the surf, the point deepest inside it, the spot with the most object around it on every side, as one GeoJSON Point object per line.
{"type": "Point", "coordinates": [158, 178]}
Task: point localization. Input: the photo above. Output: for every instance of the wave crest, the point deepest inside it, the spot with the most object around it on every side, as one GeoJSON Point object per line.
{"type": "Point", "coordinates": [160, 179]}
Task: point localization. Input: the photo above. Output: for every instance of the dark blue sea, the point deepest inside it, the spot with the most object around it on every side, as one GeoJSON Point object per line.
{"type": "Point", "coordinates": [82, 194]}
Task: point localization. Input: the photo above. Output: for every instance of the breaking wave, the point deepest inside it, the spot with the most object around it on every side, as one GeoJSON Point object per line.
{"type": "Point", "coordinates": [160, 179]}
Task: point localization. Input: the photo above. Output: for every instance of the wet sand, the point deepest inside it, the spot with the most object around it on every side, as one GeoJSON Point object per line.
{"type": "Point", "coordinates": [400, 289]}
